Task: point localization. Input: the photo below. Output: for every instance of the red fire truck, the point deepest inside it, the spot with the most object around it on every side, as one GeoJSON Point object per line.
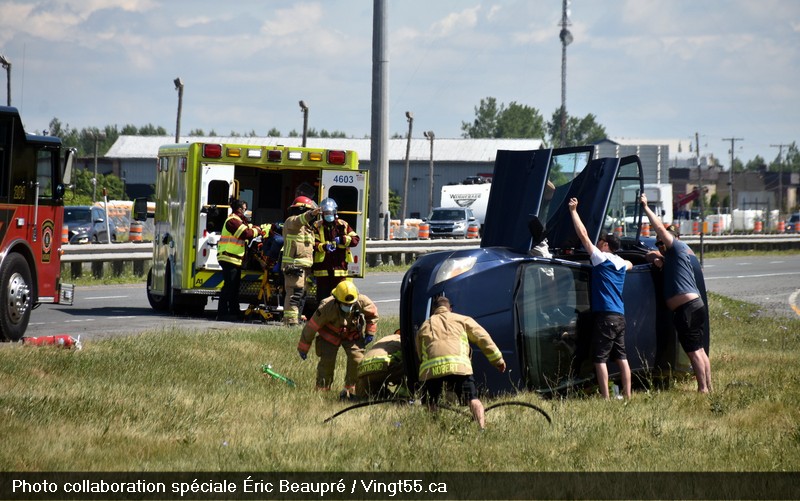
{"type": "Point", "coordinates": [34, 171]}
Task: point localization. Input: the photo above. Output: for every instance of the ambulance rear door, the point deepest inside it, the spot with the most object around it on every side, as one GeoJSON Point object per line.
{"type": "Point", "coordinates": [349, 189]}
{"type": "Point", "coordinates": [217, 186]}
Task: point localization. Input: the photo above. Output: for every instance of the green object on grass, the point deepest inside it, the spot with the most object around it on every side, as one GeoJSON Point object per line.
{"type": "Point", "coordinates": [267, 369]}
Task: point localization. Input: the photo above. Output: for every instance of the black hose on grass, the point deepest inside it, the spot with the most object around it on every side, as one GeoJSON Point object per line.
{"type": "Point", "coordinates": [521, 404]}
{"type": "Point", "coordinates": [441, 406]}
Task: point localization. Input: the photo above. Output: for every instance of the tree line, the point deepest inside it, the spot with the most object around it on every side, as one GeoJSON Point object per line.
{"type": "Point", "coordinates": [492, 120]}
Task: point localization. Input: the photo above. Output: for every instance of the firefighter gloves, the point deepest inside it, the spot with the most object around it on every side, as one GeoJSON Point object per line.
{"type": "Point", "coordinates": [330, 247]}
{"type": "Point", "coordinates": [302, 354]}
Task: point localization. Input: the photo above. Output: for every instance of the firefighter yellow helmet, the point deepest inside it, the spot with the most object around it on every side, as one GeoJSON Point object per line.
{"type": "Point", "coordinates": [346, 292]}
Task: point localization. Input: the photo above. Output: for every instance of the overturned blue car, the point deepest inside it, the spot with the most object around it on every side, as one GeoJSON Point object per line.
{"type": "Point", "coordinates": [537, 309]}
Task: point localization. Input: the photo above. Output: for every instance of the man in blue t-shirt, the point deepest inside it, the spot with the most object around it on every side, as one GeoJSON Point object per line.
{"type": "Point", "coordinates": [683, 297]}
{"type": "Point", "coordinates": [608, 310]}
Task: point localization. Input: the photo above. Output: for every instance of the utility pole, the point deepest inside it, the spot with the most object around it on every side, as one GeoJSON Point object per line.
{"type": "Point", "coordinates": [410, 118]}
{"type": "Point", "coordinates": [566, 38]}
{"type": "Point", "coordinates": [702, 195]}
{"type": "Point", "coordinates": [7, 65]}
{"type": "Point", "coordinates": [731, 189]}
{"type": "Point", "coordinates": [780, 176]}
{"type": "Point", "coordinates": [379, 137]}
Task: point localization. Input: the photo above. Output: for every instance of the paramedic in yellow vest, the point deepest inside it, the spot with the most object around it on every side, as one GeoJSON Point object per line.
{"type": "Point", "coordinates": [333, 238]}
{"type": "Point", "coordinates": [236, 232]}
{"type": "Point", "coordinates": [381, 368]}
{"type": "Point", "coordinates": [443, 346]}
{"type": "Point", "coordinates": [345, 319]}
{"type": "Point", "coordinates": [298, 251]}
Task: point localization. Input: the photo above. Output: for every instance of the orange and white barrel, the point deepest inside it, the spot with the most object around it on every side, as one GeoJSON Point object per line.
{"type": "Point", "coordinates": [715, 228]}
{"type": "Point", "coordinates": [473, 230]}
{"type": "Point", "coordinates": [135, 232]}
{"type": "Point", "coordinates": [695, 228]}
{"type": "Point", "coordinates": [758, 226]}
{"type": "Point", "coordinates": [781, 226]}
{"type": "Point", "coordinates": [645, 229]}
{"type": "Point", "coordinates": [424, 232]}
{"type": "Point", "coordinates": [65, 234]}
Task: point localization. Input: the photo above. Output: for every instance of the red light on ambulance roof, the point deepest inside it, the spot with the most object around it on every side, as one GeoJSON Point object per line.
{"type": "Point", "coordinates": [336, 157]}
{"type": "Point", "coordinates": [212, 150]}
{"type": "Point", "coordinates": [274, 155]}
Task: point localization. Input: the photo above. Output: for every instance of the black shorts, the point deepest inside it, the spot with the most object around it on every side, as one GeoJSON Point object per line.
{"type": "Point", "coordinates": [608, 338]}
{"type": "Point", "coordinates": [690, 321]}
{"type": "Point", "coordinates": [463, 386]}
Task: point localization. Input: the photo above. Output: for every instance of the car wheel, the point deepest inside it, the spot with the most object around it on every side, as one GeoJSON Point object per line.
{"type": "Point", "coordinates": [15, 297]}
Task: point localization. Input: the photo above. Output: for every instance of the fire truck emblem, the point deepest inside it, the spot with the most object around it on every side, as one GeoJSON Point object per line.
{"type": "Point", "coordinates": [47, 240]}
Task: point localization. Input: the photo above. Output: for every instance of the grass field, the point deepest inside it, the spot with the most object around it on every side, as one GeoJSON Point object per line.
{"type": "Point", "coordinates": [182, 401]}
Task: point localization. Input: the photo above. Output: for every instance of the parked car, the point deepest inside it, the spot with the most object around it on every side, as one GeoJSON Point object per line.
{"type": "Point", "coordinates": [791, 224]}
{"type": "Point", "coordinates": [87, 224]}
{"type": "Point", "coordinates": [537, 308]}
{"type": "Point", "coordinates": [452, 222]}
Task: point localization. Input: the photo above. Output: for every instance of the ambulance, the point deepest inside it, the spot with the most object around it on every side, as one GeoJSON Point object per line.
{"type": "Point", "coordinates": [195, 184]}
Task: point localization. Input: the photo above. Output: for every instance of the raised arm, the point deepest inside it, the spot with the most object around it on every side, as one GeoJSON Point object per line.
{"type": "Point", "coordinates": [580, 229]}
{"type": "Point", "coordinates": [656, 223]}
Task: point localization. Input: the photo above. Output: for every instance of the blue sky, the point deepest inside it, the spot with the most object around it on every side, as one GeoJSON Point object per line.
{"type": "Point", "coordinates": [645, 68]}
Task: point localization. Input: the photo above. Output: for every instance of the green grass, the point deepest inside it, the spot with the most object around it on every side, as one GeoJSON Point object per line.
{"type": "Point", "coordinates": [185, 401]}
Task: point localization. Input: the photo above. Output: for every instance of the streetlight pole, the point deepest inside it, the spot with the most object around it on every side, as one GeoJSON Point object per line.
{"type": "Point", "coordinates": [430, 136]}
{"type": "Point", "coordinates": [7, 65]}
{"type": "Point", "coordinates": [410, 118]}
{"type": "Point", "coordinates": [179, 87]}
{"type": "Point", "coordinates": [304, 109]}
{"type": "Point", "coordinates": [98, 136]}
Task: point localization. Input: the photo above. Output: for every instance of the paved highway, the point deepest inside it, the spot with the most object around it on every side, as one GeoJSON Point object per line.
{"type": "Point", "coordinates": [773, 282]}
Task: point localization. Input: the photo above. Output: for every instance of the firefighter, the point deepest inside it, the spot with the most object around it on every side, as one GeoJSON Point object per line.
{"type": "Point", "coordinates": [443, 347]}
{"type": "Point", "coordinates": [347, 319]}
{"type": "Point", "coordinates": [333, 238]}
{"type": "Point", "coordinates": [298, 249]}
{"type": "Point", "coordinates": [381, 368]}
{"type": "Point", "coordinates": [236, 232]}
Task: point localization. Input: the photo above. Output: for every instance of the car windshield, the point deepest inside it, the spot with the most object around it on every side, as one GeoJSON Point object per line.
{"type": "Point", "coordinates": [72, 215]}
{"type": "Point", "coordinates": [447, 215]}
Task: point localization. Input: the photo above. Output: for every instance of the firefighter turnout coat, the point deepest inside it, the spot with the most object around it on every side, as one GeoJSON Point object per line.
{"type": "Point", "coordinates": [333, 264]}
{"type": "Point", "coordinates": [382, 365]}
{"type": "Point", "coordinates": [334, 328]}
{"type": "Point", "coordinates": [443, 345]}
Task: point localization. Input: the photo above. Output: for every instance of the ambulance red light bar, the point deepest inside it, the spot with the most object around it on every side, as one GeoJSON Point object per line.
{"type": "Point", "coordinates": [212, 151]}
{"type": "Point", "coordinates": [336, 157]}
{"type": "Point", "coordinates": [274, 155]}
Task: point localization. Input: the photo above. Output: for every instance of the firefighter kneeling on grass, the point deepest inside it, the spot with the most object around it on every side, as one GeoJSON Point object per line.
{"type": "Point", "coordinates": [347, 319]}
{"type": "Point", "coordinates": [381, 372]}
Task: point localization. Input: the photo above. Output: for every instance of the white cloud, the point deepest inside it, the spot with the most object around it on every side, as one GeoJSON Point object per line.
{"type": "Point", "coordinates": [456, 21]}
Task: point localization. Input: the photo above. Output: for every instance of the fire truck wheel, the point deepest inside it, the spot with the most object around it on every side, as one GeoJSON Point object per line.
{"type": "Point", "coordinates": [15, 296]}
{"type": "Point", "coordinates": [157, 301]}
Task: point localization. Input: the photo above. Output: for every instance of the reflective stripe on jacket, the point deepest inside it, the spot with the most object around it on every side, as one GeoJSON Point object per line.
{"type": "Point", "coordinates": [443, 345]}
{"type": "Point", "coordinates": [298, 241]}
{"type": "Point", "coordinates": [334, 263]}
{"type": "Point", "coordinates": [333, 325]}
{"type": "Point", "coordinates": [384, 353]}
{"type": "Point", "coordinates": [231, 247]}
